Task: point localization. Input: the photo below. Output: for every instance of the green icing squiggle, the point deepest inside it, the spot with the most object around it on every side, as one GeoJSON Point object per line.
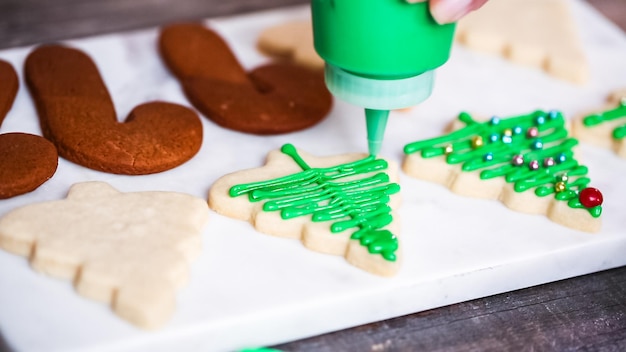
{"type": "Point", "coordinates": [331, 194]}
{"type": "Point", "coordinates": [538, 141]}
{"type": "Point", "coordinates": [618, 112]}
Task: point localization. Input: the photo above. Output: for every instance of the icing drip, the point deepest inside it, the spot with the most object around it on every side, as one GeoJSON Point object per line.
{"type": "Point", "coordinates": [531, 151]}
{"type": "Point", "coordinates": [326, 195]}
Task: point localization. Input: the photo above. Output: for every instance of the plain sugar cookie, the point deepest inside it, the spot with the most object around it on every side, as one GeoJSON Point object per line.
{"type": "Point", "coordinates": [129, 250]}
{"type": "Point", "coordinates": [538, 33]}
{"type": "Point", "coordinates": [342, 205]}
{"type": "Point", "coordinates": [291, 41]}
{"type": "Point", "coordinates": [527, 162]}
{"type": "Point", "coordinates": [605, 126]}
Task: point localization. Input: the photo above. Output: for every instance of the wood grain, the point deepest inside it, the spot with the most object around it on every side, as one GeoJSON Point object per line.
{"type": "Point", "coordinates": [614, 10]}
{"type": "Point", "coordinates": [24, 22]}
{"type": "Point", "coordinates": [587, 313]}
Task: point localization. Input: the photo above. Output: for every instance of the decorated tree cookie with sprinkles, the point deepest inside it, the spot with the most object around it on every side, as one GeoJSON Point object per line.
{"type": "Point", "coordinates": [605, 126]}
{"type": "Point", "coordinates": [525, 161]}
{"type": "Point", "coordinates": [343, 205]}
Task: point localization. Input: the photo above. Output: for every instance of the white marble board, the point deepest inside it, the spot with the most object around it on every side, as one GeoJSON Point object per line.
{"type": "Point", "coordinates": [250, 289]}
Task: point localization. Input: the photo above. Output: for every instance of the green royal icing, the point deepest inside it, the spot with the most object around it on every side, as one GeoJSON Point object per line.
{"type": "Point", "coordinates": [609, 115]}
{"type": "Point", "coordinates": [326, 196]}
{"type": "Point", "coordinates": [550, 149]}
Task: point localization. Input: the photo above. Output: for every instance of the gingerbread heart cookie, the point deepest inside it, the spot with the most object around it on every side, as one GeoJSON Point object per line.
{"type": "Point", "coordinates": [131, 250]}
{"type": "Point", "coordinates": [271, 99]}
{"type": "Point", "coordinates": [26, 160]}
{"type": "Point", "coordinates": [77, 114]}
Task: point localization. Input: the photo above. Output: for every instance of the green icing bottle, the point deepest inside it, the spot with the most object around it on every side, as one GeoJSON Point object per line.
{"type": "Point", "coordinates": [380, 55]}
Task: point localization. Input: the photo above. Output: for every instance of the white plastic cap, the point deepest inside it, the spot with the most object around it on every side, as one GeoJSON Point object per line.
{"type": "Point", "coordinates": [375, 93]}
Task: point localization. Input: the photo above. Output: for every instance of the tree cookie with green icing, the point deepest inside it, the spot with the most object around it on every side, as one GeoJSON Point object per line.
{"type": "Point", "coordinates": [606, 126]}
{"type": "Point", "coordinates": [341, 205]}
{"type": "Point", "coordinates": [527, 162]}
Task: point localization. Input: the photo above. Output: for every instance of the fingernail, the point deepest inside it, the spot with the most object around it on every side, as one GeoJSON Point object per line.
{"type": "Point", "coordinates": [446, 11]}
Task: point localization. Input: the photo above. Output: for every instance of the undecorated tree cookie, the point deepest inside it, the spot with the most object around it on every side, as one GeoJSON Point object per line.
{"type": "Point", "coordinates": [606, 126]}
{"type": "Point", "coordinates": [343, 205]}
{"type": "Point", "coordinates": [130, 250]}
{"type": "Point", "coordinates": [291, 41]}
{"type": "Point", "coordinates": [538, 33]}
{"type": "Point", "coordinates": [527, 162]}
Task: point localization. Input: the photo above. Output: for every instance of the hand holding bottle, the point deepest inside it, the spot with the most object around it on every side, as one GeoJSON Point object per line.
{"type": "Point", "coordinates": [446, 11]}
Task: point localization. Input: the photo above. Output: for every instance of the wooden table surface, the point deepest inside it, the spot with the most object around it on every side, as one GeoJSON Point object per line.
{"type": "Point", "coordinates": [586, 313]}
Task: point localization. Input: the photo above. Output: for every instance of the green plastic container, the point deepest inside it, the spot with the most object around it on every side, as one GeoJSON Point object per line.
{"type": "Point", "coordinates": [380, 38]}
{"type": "Point", "coordinates": [379, 54]}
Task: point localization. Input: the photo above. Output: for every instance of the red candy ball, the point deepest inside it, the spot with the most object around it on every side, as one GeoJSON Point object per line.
{"type": "Point", "coordinates": [590, 197]}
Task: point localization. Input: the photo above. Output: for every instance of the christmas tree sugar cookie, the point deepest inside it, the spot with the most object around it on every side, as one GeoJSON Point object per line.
{"type": "Point", "coordinates": [606, 126]}
{"type": "Point", "coordinates": [342, 205]}
{"type": "Point", "coordinates": [130, 250]}
{"type": "Point", "coordinates": [292, 41]}
{"type": "Point", "coordinates": [524, 161]}
{"type": "Point", "coordinates": [538, 33]}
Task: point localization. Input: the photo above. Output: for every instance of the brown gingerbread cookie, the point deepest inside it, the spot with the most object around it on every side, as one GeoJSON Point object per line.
{"type": "Point", "coordinates": [26, 160]}
{"type": "Point", "coordinates": [8, 88]}
{"type": "Point", "coordinates": [271, 99]}
{"type": "Point", "coordinates": [77, 114]}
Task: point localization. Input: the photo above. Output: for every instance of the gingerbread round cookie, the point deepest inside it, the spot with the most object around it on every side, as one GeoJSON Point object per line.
{"type": "Point", "coordinates": [271, 99]}
{"type": "Point", "coordinates": [77, 114]}
{"type": "Point", "coordinates": [26, 161]}
{"type": "Point", "coordinates": [8, 88]}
